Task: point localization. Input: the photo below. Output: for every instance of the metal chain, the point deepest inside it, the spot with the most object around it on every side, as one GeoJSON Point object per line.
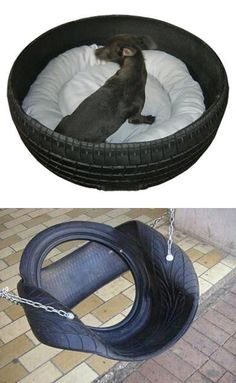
{"type": "Point", "coordinates": [170, 256]}
{"type": "Point", "coordinates": [159, 219]}
{"type": "Point", "coordinates": [18, 300]}
{"type": "Point", "coordinates": [171, 215]}
{"type": "Point", "coordinates": [4, 293]}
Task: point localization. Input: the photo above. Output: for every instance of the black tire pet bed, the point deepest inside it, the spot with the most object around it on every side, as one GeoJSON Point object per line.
{"type": "Point", "coordinates": [166, 298]}
{"type": "Point", "coordinates": [119, 166]}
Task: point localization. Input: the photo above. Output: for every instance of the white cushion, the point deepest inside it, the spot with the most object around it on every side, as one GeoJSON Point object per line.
{"type": "Point", "coordinates": [172, 96]}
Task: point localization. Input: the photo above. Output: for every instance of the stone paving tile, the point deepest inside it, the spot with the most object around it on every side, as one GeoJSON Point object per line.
{"type": "Point", "coordinates": [3, 264]}
{"type": "Point", "coordinates": [230, 298]}
{"type": "Point", "coordinates": [4, 212]}
{"type": "Point", "coordinates": [38, 356]}
{"type": "Point", "coordinates": [14, 230]}
{"type": "Point", "coordinates": [117, 212]}
{"type": "Point", "coordinates": [225, 359]}
{"type": "Point", "coordinates": [66, 360]}
{"type": "Point", "coordinates": [233, 289]}
{"type": "Point", "coordinates": [200, 269]}
{"type": "Point", "coordinates": [14, 349]}
{"type": "Point", "coordinates": [225, 309]}
{"type": "Point", "coordinates": [91, 320]}
{"type": "Point", "coordinates": [57, 212]}
{"type": "Point", "coordinates": [229, 261]}
{"type": "Point", "coordinates": [39, 212]}
{"type": "Point", "coordinates": [187, 243]}
{"type": "Point", "coordinates": [228, 378]}
{"type": "Point", "coordinates": [211, 331]}
{"type": "Point", "coordinates": [20, 245]}
{"type": "Point", "coordinates": [19, 212]}
{"type": "Point", "coordinates": [80, 374]}
{"type": "Point", "coordinates": [211, 259]}
{"type": "Point", "coordinates": [5, 252]}
{"type": "Point", "coordinates": [230, 345]}
{"type": "Point", "coordinates": [198, 378]}
{"type": "Point", "coordinates": [116, 319]}
{"type": "Point", "coordinates": [204, 247]}
{"type": "Point", "coordinates": [117, 220]}
{"type": "Point", "coordinates": [190, 354]}
{"type": "Point", "coordinates": [94, 213]}
{"type": "Point", "coordinates": [194, 254]}
{"type": "Point", "coordinates": [212, 370]}
{"type": "Point", "coordinates": [176, 365]}
{"type": "Point", "coordinates": [11, 283]}
{"type": "Point", "coordinates": [2, 228]}
{"type": "Point", "coordinates": [156, 373]}
{"type": "Point", "coordinates": [113, 288]}
{"type": "Point", "coordinates": [36, 221]}
{"type": "Point", "coordinates": [143, 218]}
{"type": "Point", "coordinates": [47, 373]}
{"type": "Point", "coordinates": [9, 272]}
{"type": "Point", "coordinates": [136, 377]}
{"type": "Point", "coordinates": [54, 221]}
{"type": "Point", "coordinates": [4, 319]}
{"type": "Point", "coordinates": [87, 305]}
{"type": "Point", "coordinates": [13, 222]}
{"type": "Point", "coordinates": [9, 241]}
{"type": "Point", "coordinates": [76, 212]}
{"type": "Point", "coordinates": [31, 231]}
{"type": "Point", "coordinates": [32, 337]}
{"type": "Point", "coordinates": [14, 329]}
{"type": "Point", "coordinates": [4, 304]}
{"type": "Point", "coordinates": [130, 293]}
{"type": "Point", "coordinates": [221, 321]}
{"type": "Point", "coordinates": [216, 273]}
{"type": "Point", "coordinates": [99, 364]}
{"type": "Point", "coordinates": [5, 218]}
{"type": "Point", "coordinates": [178, 236]}
{"type": "Point", "coordinates": [12, 373]}
{"type": "Point", "coordinates": [200, 341]}
{"type": "Point", "coordinates": [128, 275]}
{"type": "Point", "coordinates": [13, 258]}
{"type": "Point", "coordinates": [112, 307]}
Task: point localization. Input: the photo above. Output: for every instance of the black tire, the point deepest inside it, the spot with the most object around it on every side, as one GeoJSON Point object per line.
{"type": "Point", "coordinates": [166, 298]}
{"type": "Point", "coordinates": [129, 166]}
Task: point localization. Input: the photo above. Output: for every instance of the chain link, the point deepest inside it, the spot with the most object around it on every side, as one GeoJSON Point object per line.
{"type": "Point", "coordinates": [18, 300]}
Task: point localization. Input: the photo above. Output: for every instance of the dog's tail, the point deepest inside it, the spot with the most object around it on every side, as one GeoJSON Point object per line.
{"type": "Point", "coordinates": [146, 42]}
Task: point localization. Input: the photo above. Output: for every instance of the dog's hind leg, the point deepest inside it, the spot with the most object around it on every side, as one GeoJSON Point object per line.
{"type": "Point", "coordinates": [61, 127]}
{"type": "Point", "coordinates": [140, 119]}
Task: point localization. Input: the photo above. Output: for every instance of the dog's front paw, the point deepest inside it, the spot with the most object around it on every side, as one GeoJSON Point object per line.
{"type": "Point", "coordinates": [150, 119]}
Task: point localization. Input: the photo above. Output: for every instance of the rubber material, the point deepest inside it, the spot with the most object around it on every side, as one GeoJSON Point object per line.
{"type": "Point", "coordinates": [128, 166]}
{"type": "Point", "coordinates": [166, 299]}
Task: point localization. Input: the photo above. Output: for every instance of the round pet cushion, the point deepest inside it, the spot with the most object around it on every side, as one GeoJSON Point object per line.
{"type": "Point", "coordinates": [172, 96]}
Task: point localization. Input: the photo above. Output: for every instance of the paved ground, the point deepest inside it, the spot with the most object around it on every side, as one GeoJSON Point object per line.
{"type": "Point", "coordinates": [24, 360]}
{"type": "Point", "coordinates": [206, 354]}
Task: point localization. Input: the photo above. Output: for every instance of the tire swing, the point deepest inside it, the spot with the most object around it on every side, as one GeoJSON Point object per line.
{"type": "Point", "coordinates": [122, 165]}
{"type": "Point", "coordinates": [167, 290]}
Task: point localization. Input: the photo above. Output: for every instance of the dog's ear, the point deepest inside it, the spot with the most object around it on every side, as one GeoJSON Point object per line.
{"type": "Point", "coordinates": [129, 51]}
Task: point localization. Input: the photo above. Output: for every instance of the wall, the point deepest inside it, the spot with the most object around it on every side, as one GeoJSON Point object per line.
{"type": "Point", "coordinates": [217, 226]}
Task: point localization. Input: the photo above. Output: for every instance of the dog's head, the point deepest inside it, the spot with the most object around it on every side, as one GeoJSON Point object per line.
{"type": "Point", "coordinates": [120, 46]}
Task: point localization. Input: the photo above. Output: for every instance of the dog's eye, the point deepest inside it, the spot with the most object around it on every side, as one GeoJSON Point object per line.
{"type": "Point", "coordinates": [119, 51]}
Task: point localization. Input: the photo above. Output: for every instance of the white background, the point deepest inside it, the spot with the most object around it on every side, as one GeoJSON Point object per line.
{"type": "Point", "coordinates": [209, 183]}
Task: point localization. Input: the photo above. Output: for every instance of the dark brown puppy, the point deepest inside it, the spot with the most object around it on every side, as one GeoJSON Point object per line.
{"type": "Point", "coordinates": [121, 97]}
